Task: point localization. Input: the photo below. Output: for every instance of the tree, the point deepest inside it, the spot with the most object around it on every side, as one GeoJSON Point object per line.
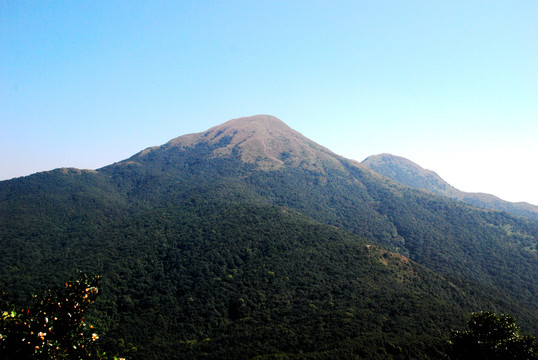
{"type": "Point", "coordinates": [490, 336]}
{"type": "Point", "coordinates": [53, 327]}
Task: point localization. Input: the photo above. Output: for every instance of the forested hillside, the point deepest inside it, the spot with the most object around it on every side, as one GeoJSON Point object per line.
{"type": "Point", "coordinates": [250, 241]}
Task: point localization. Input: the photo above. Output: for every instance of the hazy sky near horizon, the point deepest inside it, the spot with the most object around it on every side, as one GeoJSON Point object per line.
{"type": "Point", "coordinates": [450, 85]}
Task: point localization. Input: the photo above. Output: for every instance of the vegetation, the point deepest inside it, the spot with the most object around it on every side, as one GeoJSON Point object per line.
{"type": "Point", "coordinates": [206, 256]}
{"type": "Point", "coordinates": [490, 336]}
{"type": "Point", "coordinates": [54, 327]}
{"type": "Point", "coordinates": [454, 239]}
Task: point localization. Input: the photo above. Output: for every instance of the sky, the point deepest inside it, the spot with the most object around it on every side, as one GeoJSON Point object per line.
{"type": "Point", "coordinates": [450, 85]}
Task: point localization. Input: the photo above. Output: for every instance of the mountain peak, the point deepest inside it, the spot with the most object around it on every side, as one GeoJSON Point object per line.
{"type": "Point", "coordinates": [260, 139]}
{"type": "Point", "coordinates": [409, 173]}
{"type": "Point", "coordinates": [258, 122]}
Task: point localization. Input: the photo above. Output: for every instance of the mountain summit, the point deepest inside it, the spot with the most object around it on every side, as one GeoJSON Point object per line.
{"type": "Point", "coordinates": [407, 172]}
{"type": "Point", "coordinates": [262, 140]}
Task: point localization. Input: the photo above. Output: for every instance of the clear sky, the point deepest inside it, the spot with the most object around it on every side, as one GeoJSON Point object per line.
{"type": "Point", "coordinates": [450, 85]}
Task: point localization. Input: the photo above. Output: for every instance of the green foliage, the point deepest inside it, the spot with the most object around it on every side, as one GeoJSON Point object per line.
{"type": "Point", "coordinates": [489, 336]}
{"type": "Point", "coordinates": [449, 237]}
{"type": "Point", "coordinates": [54, 326]}
{"type": "Point", "coordinates": [207, 257]}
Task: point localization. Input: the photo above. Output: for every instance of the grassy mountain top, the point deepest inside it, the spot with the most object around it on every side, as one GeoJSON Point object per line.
{"type": "Point", "coordinates": [262, 140]}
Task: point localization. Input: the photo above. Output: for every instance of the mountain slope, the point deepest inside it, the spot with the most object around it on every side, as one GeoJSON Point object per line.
{"type": "Point", "coordinates": [411, 174]}
{"type": "Point", "coordinates": [344, 193]}
{"type": "Point", "coordinates": [216, 244]}
{"type": "Point", "coordinates": [238, 280]}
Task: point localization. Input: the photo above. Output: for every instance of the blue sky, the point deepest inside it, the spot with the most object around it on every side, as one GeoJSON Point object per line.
{"type": "Point", "coordinates": [450, 85]}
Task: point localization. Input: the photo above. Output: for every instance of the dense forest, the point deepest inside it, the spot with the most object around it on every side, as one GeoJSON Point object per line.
{"type": "Point", "coordinates": [204, 254]}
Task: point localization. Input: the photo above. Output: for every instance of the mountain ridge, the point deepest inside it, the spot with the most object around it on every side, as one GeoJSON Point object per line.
{"type": "Point", "coordinates": [411, 174]}
{"type": "Point", "coordinates": [416, 177]}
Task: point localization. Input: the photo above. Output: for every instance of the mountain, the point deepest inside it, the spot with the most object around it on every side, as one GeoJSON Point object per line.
{"type": "Point", "coordinates": [249, 241]}
{"type": "Point", "coordinates": [408, 173]}
{"type": "Point", "coordinates": [411, 174]}
{"type": "Point", "coordinates": [262, 141]}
